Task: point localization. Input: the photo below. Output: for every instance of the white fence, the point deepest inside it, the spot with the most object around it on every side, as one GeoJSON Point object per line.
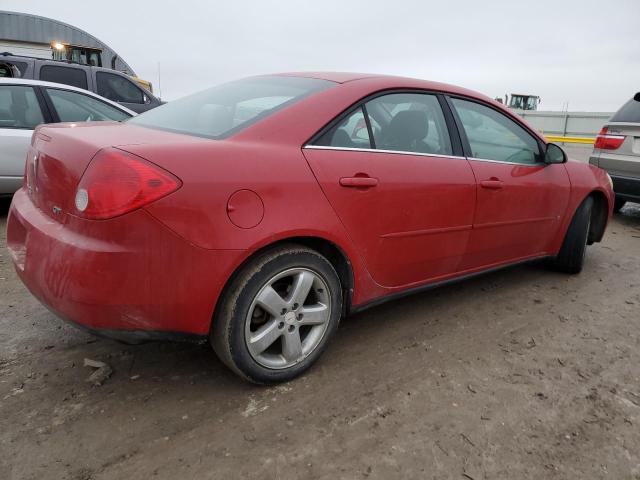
{"type": "Point", "coordinates": [566, 124]}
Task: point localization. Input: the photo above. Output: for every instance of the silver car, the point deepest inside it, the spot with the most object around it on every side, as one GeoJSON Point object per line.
{"type": "Point", "coordinates": [617, 150]}
{"type": "Point", "coordinates": [25, 104]}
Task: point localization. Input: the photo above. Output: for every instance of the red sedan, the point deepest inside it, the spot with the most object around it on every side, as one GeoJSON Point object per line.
{"type": "Point", "coordinates": [258, 213]}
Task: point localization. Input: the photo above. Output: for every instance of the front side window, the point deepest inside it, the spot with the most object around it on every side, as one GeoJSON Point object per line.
{"type": "Point", "coordinates": [409, 122]}
{"type": "Point", "coordinates": [226, 109]}
{"type": "Point", "coordinates": [75, 77]}
{"type": "Point", "coordinates": [19, 107]}
{"type": "Point", "coordinates": [95, 60]}
{"type": "Point", "coordinates": [118, 89]}
{"type": "Point", "coordinates": [77, 107]}
{"type": "Point", "coordinates": [351, 132]}
{"type": "Point", "coordinates": [493, 136]}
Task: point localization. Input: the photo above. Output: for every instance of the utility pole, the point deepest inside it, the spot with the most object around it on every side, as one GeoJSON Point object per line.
{"type": "Point", "coordinates": [159, 84]}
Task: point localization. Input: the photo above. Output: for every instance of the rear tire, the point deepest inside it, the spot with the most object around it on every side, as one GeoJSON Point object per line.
{"type": "Point", "coordinates": [278, 314]}
{"type": "Point", "coordinates": [570, 259]}
{"type": "Point", "coordinates": [618, 204]}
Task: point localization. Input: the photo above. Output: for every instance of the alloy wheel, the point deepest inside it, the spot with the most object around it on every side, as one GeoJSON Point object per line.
{"type": "Point", "coordinates": [288, 318]}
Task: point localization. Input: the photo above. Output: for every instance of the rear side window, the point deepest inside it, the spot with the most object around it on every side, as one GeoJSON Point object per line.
{"type": "Point", "coordinates": [493, 136]}
{"type": "Point", "coordinates": [409, 122]}
{"type": "Point", "coordinates": [401, 122]}
{"type": "Point", "coordinates": [19, 107]}
{"type": "Point", "coordinates": [8, 71]}
{"type": "Point", "coordinates": [226, 109]}
{"type": "Point", "coordinates": [75, 77]}
{"type": "Point", "coordinates": [12, 69]}
{"type": "Point", "coordinates": [22, 67]}
{"type": "Point", "coordinates": [77, 107]}
{"type": "Point", "coordinates": [630, 111]}
{"type": "Point", "coordinates": [118, 89]}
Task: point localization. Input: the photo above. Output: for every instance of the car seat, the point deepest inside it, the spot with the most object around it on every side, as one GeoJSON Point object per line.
{"type": "Point", "coordinates": [405, 130]}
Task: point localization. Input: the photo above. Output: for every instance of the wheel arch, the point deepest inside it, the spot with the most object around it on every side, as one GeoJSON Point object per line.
{"type": "Point", "coordinates": [599, 216]}
{"type": "Point", "coordinates": [330, 250]}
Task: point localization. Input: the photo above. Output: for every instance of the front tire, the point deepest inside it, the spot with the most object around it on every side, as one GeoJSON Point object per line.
{"type": "Point", "coordinates": [570, 259]}
{"type": "Point", "coordinates": [278, 314]}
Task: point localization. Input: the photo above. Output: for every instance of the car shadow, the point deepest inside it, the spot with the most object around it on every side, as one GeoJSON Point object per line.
{"type": "Point", "coordinates": [5, 203]}
{"type": "Point", "coordinates": [490, 284]}
{"type": "Point", "coordinates": [173, 367]}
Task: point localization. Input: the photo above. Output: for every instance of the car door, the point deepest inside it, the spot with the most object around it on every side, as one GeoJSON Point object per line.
{"type": "Point", "coordinates": [520, 199]}
{"type": "Point", "coordinates": [400, 186]}
{"type": "Point", "coordinates": [20, 112]}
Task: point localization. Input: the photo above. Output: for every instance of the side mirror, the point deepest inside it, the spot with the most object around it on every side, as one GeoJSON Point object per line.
{"type": "Point", "coordinates": [554, 154]}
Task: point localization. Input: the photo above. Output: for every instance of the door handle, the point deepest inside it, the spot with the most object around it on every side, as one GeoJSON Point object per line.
{"type": "Point", "coordinates": [493, 184]}
{"type": "Point", "coordinates": [359, 182]}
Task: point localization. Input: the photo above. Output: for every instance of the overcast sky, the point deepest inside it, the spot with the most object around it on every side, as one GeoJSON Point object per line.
{"type": "Point", "coordinates": [583, 52]}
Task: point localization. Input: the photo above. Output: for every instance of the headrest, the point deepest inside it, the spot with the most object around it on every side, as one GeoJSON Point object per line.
{"type": "Point", "coordinates": [406, 127]}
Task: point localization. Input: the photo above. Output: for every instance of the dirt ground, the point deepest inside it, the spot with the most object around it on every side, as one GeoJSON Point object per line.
{"type": "Point", "coordinates": [523, 373]}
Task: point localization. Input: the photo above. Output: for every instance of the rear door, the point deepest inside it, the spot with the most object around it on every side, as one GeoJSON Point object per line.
{"type": "Point", "coordinates": [21, 110]}
{"type": "Point", "coordinates": [520, 199]}
{"type": "Point", "coordinates": [400, 186]}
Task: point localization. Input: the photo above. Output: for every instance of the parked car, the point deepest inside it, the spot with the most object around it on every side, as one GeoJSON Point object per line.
{"type": "Point", "coordinates": [25, 104]}
{"type": "Point", "coordinates": [110, 84]}
{"type": "Point", "coordinates": [258, 213]}
{"type": "Point", "coordinates": [617, 150]}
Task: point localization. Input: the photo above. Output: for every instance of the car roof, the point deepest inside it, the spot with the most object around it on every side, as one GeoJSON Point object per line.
{"type": "Point", "coordinates": [337, 77]}
{"type": "Point", "coordinates": [62, 86]}
{"type": "Point", "coordinates": [387, 81]}
{"type": "Point", "coordinates": [70, 63]}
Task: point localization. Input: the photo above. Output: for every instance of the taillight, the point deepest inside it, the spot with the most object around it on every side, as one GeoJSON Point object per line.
{"type": "Point", "coordinates": [117, 182]}
{"type": "Point", "coordinates": [605, 141]}
{"type": "Point", "coordinates": [29, 165]}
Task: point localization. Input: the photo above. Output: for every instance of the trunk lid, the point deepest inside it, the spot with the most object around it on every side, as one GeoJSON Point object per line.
{"type": "Point", "coordinates": [631, 132]}
{"type": "Point", "coordinates": [624, 160]}
{"type": "Point", "coordinates": [60, 153]}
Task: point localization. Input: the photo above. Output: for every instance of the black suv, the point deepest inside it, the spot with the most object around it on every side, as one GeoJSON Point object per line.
{"type": "Point", "coordinates": [111, 84]}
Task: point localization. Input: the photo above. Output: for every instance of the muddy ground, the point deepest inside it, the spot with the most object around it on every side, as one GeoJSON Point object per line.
{"type": "Point", "coordinates": [523, 373]}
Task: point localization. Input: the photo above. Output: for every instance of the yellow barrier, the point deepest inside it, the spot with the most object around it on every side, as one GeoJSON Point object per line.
{"type": "Point", "coordinates": [585, 140]}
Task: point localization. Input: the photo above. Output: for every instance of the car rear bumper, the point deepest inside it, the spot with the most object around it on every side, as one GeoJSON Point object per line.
{"type": "Point", "coordinates": [616, 164]}
{"type": "Point", "coordinates": [129, 277]}
{"type": "Point", "coordinates": [627, 188]}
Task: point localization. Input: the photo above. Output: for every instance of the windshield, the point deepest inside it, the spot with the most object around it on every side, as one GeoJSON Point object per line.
{"type": "Point", "coordinates": [226, 109]}
{"type": "Point", "coordinates": [532, 103]}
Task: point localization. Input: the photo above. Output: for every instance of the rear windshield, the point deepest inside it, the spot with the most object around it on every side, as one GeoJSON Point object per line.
{"type": "Point", "coordinates": [630, 112]}
{"type": "Point", "coordinates": [226, 109]}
